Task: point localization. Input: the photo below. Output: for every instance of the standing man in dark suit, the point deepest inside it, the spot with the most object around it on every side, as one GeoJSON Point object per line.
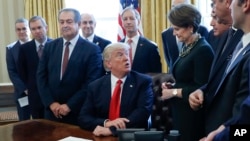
{"type": "Point", "coordinates": [88, 24]}
{"type": "Point", "coordinates": [144, 56]}
{"type": "Point", "coordinates": [135, 102]}
{"type": "Point", "coordinates": [228, 84]}
{"type": "Point", "coordinates": [66, 68]}
{"type": "Point", "coordinates": [29, 56]}
{"type": "Point", "coordinates": [12, 52]}
{"type": "Point", "coordinates": [241, 17]}
{"type": "Point", "coordinates": [171, 45]}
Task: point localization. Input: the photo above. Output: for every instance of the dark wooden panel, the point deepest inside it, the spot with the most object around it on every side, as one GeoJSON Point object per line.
{"type": "Point", "coordinates": [6, 96]}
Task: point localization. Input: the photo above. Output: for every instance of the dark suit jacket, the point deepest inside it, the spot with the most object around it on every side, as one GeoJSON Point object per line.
{"type": "Point", "coordinates": [242, 118]}
{"type": "Point", "coordinates": [12, 53]}
{"type": "Point", "coordinates": [27, 66]}
{"type": "Point", "coordinates": [101, 42]}
{"type": "Point", "coordinates": [220, 63]}
{"type": "Point", "coordinates": [136, 101]}
{"type": "Point", "coordinates": [190, 73]}
{"type": "Point", "coordinates": [231, 91]}
{"type": "Point", "coordinates": [218, 67]}
{"type": "Point", "coordinates": [170, 47]}
{"type": "Point", "coordinates": [147, 58]}
{"type": "Point", "coordinates": [83, 67]}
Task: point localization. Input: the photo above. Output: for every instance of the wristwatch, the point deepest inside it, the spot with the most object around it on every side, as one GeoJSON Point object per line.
{"type": "Point", "coordinates": [174, 92]}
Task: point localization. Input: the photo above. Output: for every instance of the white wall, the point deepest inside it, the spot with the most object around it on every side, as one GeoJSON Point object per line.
{"type": "Point", "coordinates": [10, 10]}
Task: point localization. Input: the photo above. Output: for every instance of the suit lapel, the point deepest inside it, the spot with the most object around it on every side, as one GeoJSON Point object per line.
{"type": "Point", "coordinates": [226, 56]}
{"type": "Point", "coordinates": [106, 87]}
{"type": "Point", "coordinates": [127, 91]}
{"type": "Point", "coordinates": [95, 40]}
{"type": "Point", "coordinates": [59, 59]}
{"type": "Point", "coordinates": [237, 60]}
{"type": "Point", "coordinates": [33, 49]}
{"type": "Point", "coordinates": [139, 50]}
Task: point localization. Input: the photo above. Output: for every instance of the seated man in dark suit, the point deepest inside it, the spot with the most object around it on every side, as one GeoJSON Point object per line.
{"type": "Point", "coordinates": [171, 45]}
{"type": "Point", "coordinates": [134, 106]}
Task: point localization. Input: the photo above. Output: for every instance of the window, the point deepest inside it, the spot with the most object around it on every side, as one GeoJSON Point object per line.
{"type": "Point", "coordinates": [105, 12]}
{"type": "Point", "coordinates": [204, 7]}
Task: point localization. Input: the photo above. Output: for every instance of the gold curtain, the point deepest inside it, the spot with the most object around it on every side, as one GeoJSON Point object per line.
{"type": "Point", "coordinates": [154, 21]}
{"type": "Point", "coordinates": [48, 9]}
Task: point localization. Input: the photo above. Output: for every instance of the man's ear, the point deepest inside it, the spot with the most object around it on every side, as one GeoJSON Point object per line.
{"type": "Point", "coordinates": [228, 3]}
{"type": "Point", "coordinates": [246, 6]}
{"type": "Point", "coordinates": [108, 64]}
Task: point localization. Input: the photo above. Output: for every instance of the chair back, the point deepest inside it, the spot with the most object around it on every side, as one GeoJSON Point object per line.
{"type": "Point", "coordinates": [149, 136]}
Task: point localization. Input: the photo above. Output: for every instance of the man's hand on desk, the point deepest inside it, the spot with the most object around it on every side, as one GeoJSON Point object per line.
{"type": "Point", "coordinates": [102, 131]}
{"type": "Point", "coordinates": [119, 123]}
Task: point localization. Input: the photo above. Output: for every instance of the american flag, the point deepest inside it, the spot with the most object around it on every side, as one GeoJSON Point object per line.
{"type": "Point", "coordinates": [124, 4]}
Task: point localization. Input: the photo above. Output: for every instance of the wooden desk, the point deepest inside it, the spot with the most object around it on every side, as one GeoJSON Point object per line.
{"type": "Point", "coordinates": [44, 130]}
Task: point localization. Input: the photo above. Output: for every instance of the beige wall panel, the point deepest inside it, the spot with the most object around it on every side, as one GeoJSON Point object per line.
{"type": "Point", "coordinates": [10, 10]}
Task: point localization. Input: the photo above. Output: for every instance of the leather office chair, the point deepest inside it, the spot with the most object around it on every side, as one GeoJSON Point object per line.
{"type": "Point", "coordinates": [149, 136]}
{"type": "Point", "coordinates": [161, 115]}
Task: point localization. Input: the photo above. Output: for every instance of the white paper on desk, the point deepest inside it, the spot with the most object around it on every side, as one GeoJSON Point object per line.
{"type": "Point", "coordinates": [23, 101]}
{"type": "Point", "coordinates": [70, 138]}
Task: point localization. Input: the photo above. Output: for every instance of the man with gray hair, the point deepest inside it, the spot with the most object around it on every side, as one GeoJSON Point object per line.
{"type": "Point", "coordinates": [121, 99]}
{"type": "Point", "coordinates": [67, 66]}
{"type": "Point", "coordinates": [12, 52]}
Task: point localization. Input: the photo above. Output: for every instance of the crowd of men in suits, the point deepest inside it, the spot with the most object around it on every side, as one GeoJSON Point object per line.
{"type": "Point", "coordinates": [55, 73]}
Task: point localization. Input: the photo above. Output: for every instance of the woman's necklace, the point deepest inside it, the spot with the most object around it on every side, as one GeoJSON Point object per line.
{"type": "Point", "coordinates": [187, 48]}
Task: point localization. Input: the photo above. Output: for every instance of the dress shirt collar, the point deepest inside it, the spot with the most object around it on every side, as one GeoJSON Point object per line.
{"type": "Point", "coordinates": [245, 39]}
{"type": "Point", "coordinates": [90, 38]}
{"type": "Point", "coordinates": [38, 43]}
{"type": "Point", "coordinates": [22, 42]}
{"type": "Point", "coordinates": [115, 79]}
{"type": "Point", "coordinates": [134, 39]}
{"type": "Point", "coordinates": [72, 41]}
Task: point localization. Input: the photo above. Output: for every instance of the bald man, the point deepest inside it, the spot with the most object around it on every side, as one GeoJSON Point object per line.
{"type": "Point", "coordinates": [88, 24]}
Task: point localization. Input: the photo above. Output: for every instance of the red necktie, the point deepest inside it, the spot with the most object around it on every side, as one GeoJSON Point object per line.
{"type": "Point", "coordinates": [114, 107]}
{"type": "Point", "coordinates": [130, 41]}
{"type": "Point", "coordinates": [40, 51]}
{"type": "Point", "coordinates": [65, 57]}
